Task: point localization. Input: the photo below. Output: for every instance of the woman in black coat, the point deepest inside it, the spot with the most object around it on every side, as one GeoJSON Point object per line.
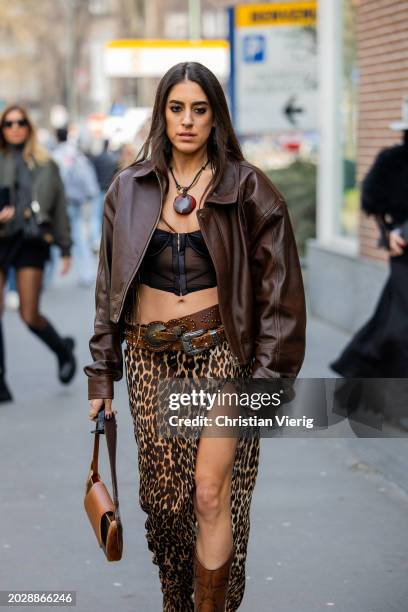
{"type": "Point", "coordinates": [30, 186]}
{"type": "Point", "coordinates": [380, 348]}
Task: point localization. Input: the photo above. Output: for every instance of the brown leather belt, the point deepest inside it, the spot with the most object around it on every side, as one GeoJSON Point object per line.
{"type": "Point", "coordinates": [192, 334]}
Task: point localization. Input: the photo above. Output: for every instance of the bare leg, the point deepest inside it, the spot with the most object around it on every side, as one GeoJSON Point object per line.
{"type": "Point", "coordinates": [219, 560]}
{"type": "Point", "coordinates": [215, 459]}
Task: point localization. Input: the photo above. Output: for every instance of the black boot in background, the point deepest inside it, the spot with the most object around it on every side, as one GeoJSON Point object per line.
{"type": "Point", "coordinates": [5, 395]}
{"type": "Point", "coordinates": [62, 347]}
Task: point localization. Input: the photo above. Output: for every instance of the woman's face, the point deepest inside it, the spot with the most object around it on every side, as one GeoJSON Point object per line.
{"type": "Point", "coordinates": [15, 127]}
{"type": "Point", "coordinates": [189, 117]}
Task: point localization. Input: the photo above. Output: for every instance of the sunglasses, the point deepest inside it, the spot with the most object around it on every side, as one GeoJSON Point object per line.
{"type": "Point", "coordinates": [19, 122]}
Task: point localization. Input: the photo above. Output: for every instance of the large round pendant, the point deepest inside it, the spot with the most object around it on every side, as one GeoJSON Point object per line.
{"type": "Point", "coordinates": [184, 204]}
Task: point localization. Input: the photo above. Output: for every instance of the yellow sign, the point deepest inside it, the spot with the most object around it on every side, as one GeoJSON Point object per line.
{"type": "Point", "coordinates": [271, 14]}
{"type": "Point", "coordinates": [151, 58]}
{"type": "Point", "coordinates": [166, 44]}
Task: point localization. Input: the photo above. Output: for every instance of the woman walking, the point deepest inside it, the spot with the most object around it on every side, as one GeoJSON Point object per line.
{"type": "Point", "coordinates": [204, 240]}
{"type": "Point", "coordinates": [380, 348]}
{"type": "Point", "coordinates": [30, 188]}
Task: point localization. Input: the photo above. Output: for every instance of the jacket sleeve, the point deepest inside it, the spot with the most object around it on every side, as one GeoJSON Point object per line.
{"type": "Point", "coordinates": [105, 345]}
{"type": "Point", "coordinates": [61, 224]}
{"type": "Point", "coordinates": [278, 295]}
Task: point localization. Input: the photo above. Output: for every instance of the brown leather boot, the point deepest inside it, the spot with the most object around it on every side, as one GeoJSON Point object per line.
{"type": "Point", "coordinates": [210, 586]}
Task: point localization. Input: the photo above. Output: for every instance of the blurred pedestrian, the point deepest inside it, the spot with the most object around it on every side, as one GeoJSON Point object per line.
{"type": "Point", "coordinates": [106, 166]}
{"type": "Point", "coordinates": [81, 187]}
{"type": "Point", "coordinates": [380, 347]}
{"type": "Point", "coordinates": [218, 293]}
{"type": "Point", "coordinates": [30, 186]}
{"type": "Point", "coordinates": [127, 155]}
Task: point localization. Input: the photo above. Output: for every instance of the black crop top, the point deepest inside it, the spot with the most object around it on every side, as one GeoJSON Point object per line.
{"type": "Point", "coordinates": [179, 263]}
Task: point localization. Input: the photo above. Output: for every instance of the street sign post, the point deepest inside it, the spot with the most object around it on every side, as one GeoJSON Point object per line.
{"type": "Point", "coordinates": [273, 66]}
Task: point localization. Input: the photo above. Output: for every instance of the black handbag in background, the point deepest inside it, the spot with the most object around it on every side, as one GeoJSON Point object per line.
{"type": "Point", "coordinates": [35, 227]}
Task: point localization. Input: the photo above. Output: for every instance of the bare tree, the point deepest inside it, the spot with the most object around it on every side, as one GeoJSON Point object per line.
{"type": "Point", "coordinates": [32, 35]}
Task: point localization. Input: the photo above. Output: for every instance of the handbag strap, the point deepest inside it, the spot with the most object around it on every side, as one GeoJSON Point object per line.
{"type": "Point", "coordinates": [109, 428]}
{"type": "Point", "coordinates": [94, 464]}
{"type": "Point", "coordinates": [111, 438]}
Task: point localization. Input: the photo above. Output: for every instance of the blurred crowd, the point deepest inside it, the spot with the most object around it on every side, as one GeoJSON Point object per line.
{"type": "Point", "coordinates": [86, 171]}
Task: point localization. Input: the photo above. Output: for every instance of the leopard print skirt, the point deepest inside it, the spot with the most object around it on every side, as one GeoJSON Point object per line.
{"type": "Point", "coordinates": [167, 469]}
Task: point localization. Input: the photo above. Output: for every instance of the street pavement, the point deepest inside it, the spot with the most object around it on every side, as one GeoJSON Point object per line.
{"type": "Point", "coordinates": [329, 515]}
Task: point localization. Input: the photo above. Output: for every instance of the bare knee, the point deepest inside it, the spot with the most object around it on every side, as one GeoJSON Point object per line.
{"type": "Point", "coordinates": [210, 499]}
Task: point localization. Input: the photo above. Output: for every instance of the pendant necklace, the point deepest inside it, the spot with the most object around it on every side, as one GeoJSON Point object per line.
{"type": "Point", "coordinates": [184, 203]}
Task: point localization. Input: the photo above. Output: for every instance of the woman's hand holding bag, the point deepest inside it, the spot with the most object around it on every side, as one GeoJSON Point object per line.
{"type": "Point", "coordinates": [96, 405]}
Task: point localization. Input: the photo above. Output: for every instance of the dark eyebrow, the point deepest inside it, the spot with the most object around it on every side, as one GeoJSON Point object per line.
{"type": "Point", "coordinates": [199, 102]}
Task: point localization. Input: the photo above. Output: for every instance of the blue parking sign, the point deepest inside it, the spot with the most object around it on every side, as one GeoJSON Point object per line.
{"type": "Point", "coordinates": [254, 46]}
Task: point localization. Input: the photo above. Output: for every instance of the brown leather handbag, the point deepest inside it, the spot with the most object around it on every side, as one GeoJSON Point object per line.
{"type": "Point", "coordinates": [103, 512]}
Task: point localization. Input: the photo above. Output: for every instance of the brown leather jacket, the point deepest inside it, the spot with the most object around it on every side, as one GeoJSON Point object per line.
{"type": "Point", "coordinates": [246, 227]}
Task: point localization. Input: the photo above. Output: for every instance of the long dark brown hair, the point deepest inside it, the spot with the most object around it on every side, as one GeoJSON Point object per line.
{"type": "Point", "coordinates": [33, 152]}
{"type": "Point", "coordinates": [222, 144]}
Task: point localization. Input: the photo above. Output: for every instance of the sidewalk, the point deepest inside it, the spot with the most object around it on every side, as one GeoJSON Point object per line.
{"type": "Point", "coordinates": [328, 515]}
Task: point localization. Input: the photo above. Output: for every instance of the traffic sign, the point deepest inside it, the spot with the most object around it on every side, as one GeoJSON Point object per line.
{"type": "Point", "coordinates": [273, 67]}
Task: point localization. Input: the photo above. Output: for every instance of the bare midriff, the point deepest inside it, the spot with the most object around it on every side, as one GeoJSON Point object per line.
{"type": "Point", "coordinates": [157, 305]}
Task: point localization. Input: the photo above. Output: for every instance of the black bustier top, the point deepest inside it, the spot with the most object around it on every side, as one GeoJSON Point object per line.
{"type": "Point", "coordinates": [179, 263]}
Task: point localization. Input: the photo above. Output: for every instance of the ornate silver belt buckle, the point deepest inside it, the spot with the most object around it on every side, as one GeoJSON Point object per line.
{"type": "Point", "coordinates": [149, 336]}
{"type": "Point", "coordinates": [186, 341]}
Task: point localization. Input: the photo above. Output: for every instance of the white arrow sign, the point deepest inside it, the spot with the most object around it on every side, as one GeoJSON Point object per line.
{"type": "Point", "coordinates": [275, 77]}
